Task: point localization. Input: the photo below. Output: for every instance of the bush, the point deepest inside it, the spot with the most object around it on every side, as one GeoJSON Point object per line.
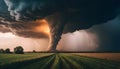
{"type": "Point", "coordinates": [19, 50]}
{"type": "Point", "coordinates": [7, 50]}
{"type": "Point", "coordinates": [2, 51]}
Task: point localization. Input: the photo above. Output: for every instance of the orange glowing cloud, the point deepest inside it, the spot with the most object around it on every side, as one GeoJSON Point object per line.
{"type": "Point", "coordinates": [42, 27]}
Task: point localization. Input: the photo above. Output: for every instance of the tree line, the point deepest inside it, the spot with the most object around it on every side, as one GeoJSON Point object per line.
{"type": "Point", "coordinates": [17, 50]}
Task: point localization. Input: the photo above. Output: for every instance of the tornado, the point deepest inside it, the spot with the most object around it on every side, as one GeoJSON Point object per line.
{"type": "Point", "coordinates": [56, 24]}
{"type": "Point", "coordinates": [62, 16]}
{"type": "Point", "coordinates": [55, 36]}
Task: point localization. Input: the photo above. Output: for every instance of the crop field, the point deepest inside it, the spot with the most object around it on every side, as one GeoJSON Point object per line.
{"type": "Point", "coordinates": [108, 56]}
{"type": "Point", "coordinates": [55, 61]}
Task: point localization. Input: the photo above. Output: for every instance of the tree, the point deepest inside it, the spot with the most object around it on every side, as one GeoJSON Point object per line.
{"type": "Point", "coordinates": [7, 50]}
{"type": "Point", "coordinates": [34, 51]}
{"type": "Point", "coordinates": [2, 51]}
{"type": "Point", "coordinates": [19, 50]}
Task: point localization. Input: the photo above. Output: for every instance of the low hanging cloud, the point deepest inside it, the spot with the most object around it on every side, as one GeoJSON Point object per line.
{"type": "Point", "coordinates": [62, 16]}
{"type": "Point", "coordinates": [108, 35]}
{"type": "Point", "coordinates": [26, 29]}
{"type": "Point", "coordinates": [78, 41]}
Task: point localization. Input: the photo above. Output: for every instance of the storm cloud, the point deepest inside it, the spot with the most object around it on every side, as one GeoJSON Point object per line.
{"type": "Point", "coordinates": [62, 16]}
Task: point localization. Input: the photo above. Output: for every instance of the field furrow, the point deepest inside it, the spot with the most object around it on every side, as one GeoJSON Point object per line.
{"type": "Point", "coordinates": [56, 61]}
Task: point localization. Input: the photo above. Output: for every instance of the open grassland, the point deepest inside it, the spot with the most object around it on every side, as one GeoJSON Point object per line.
{"type": "Point", "coordinates": [108, 56]}
{"type": "Point", "coordinates": [11, 58]}
{"type": "Point", "coordinates": [54, 61]}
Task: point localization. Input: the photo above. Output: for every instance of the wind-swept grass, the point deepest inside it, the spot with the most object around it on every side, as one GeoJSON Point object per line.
{"type": "Point", "coordinates": [11, 58]}
{"type": "Point", "coordinates": [55, 61]}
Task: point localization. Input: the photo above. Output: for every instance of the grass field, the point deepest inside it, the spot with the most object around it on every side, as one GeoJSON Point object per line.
{"type": "Point", "coordinates": [108, 56]}
{"type": "Point", "coordinates": [54, 61]}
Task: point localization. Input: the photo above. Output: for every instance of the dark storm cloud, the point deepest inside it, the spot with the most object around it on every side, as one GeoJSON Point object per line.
{"type": "Point", "coordinates": [67, 15]}
{"type": "Point", "coordinates": [24, 9]}
{"type": "Point", "coordinates": [4, 29]}
{"type": "Point", "coordinates": [23, 29]}
{"type": "Point", "coordinates": [108, 34]}
{"type": "Point", "coordinates": [4, 14]}
{"type": "Point", "coordinates": [31, 34]}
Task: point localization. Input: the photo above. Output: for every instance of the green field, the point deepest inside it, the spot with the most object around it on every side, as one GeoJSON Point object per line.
{"type": "Point", "coordinates": [54, 61]}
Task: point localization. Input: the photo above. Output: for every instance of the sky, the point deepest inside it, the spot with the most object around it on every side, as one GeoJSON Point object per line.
{"type": "Point", "coordinates": [76, 41]}
{"type": "Point", "coordinates": [102, 37]}
{"type": "Point", "coordinates": [65, 25]}
{"type": "Point", "coordinates": [8, 40]}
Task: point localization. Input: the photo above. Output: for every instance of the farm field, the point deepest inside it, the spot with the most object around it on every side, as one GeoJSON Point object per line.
{"type": "Point", "coordinates": [57, 61]}
{"type": "Point", "coordinates": [108, 56]}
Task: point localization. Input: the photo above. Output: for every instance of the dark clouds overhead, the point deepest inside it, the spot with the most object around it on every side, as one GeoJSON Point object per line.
{"type": "Point", "coordinates": [24, 9]}
{"type": "Point", "coordinates": [108, 35]}
{"type": "Point", "coordinates": [62, 15]}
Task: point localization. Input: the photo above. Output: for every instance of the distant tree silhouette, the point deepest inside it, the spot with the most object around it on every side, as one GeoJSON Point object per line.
{"type": "Point", "coordinates": [7, 50]}
{"type": "Point", "coordinates": [19, 50]}
{"type": "Point", "coordinates": [34, 51]}
{"type": "Point", "coordinates": [2, 51]}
